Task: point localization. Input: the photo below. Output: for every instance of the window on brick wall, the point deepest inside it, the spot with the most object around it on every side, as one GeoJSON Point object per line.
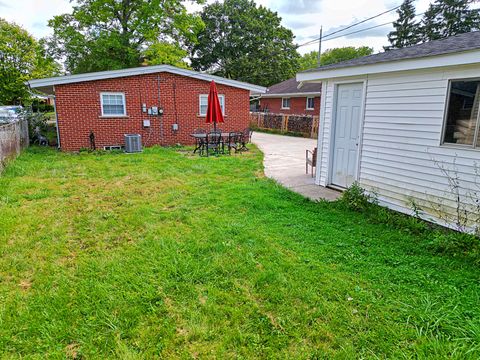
{"type": "Point", "coordinates": [462, 120]}
{"type": "Point", "coordinates": [310, 103]}
{"type": "Point", "coordinates": [113, 104]}
{"type": "Point", "coordinates": [204, 104]}
{"type": "Point", "coordinates": [285, 103]}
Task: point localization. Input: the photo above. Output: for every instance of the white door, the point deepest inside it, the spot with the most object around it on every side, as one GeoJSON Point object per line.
{"type": "Point", "coordinates": [346, 134]}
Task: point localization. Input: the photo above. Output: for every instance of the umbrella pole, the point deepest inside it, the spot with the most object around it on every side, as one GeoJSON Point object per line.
{"type": "Point", "coordinates": [215, 126]}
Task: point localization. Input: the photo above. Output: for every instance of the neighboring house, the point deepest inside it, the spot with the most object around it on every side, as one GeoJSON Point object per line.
{"type": "Point", "coordinates": [393, 120]}
{"type": "Point", "coordinates": [162, 103]}
{"type": "Point", "coordinates": [291, 97]}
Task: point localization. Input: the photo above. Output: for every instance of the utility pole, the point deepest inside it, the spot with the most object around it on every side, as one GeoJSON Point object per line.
{"type": "Point", "coordinates": [319, 47]}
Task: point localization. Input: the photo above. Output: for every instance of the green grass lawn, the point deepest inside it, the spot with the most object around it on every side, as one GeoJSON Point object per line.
{"type": "Point", "coordinates": [168, 255]}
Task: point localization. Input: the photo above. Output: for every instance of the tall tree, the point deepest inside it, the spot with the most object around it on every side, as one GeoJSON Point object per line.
{"type": "Point", "coordinates": [431, 22]}
{"type": "Point", "coordinates": [245, 42]}
{"type": "Point", "coordinates": [449, 17]}
{"type": "Point", "coordinates": [406, 28]}
{"type": "Point", "coordinates": [115, 34]}
{"type": "Point", "coordinates": [21, 58]}
{"type": "Point", "coordinates": [331, 56]}
{"type": "Point", "coordinates": [457, 17]}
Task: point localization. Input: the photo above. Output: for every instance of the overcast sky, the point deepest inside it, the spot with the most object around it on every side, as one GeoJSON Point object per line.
{"type": "Point", "coordinates": [303, 17]}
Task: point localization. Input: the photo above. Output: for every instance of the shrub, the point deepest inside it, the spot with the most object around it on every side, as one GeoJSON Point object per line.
{"type": "Point", "coordinates": [356, 198]}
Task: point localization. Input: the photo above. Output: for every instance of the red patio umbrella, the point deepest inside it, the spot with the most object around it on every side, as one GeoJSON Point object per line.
{"type": "Point", "coordinates": [214, 110]}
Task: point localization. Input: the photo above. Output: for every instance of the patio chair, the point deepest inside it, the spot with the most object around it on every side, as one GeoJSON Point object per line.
{"type": "Point", "coordinates": [246, 139]}
{"type": "Point", "coordinates": [213, 142]}
{"type": "Point", "coordinates": [234, 141]}
{"type": "Point", "coordinates": [199, 142]}
{"type": "Point", "coordinates": [310, 159]}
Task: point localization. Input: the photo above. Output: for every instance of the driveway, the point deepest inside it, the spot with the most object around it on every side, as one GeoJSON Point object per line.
{"type": "Point", "coordinates": [284, 161]}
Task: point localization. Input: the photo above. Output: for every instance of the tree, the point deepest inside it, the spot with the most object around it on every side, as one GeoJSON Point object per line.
{"type": "Point", "coordinates": [449, 17]}
{"type": "Point", "coordinates": [336, 55]}
{"type": "Point", "coordinates": [406, 28]}
{"type": "Point", "coordinates": [457, 17]}
{"type": "Point", "coordinates": [331, 56]}
{"type": "Point", "coordinates": [430, 27]}
{"type": "Point", "coordinates": [308, 61]}
{"type": "Point", "coordinates": [21, 58]}
{"type": "Point", "coordinates": [111, 34]}
{"type": "Point", "coordinates": [245, 42]}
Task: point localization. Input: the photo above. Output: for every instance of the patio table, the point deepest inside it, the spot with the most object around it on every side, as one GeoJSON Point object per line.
{"type": "Point", "coordinates": [224, 136]}
{"type": "Point", "coordinates": [204, 136]}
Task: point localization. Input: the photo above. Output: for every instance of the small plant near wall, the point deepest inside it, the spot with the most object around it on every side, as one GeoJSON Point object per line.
{"type": "Point", "coordinates": [365, 201]}
{"type": "Point", "coordinates": [357, 198]}
{"type": "Point", "coordinates": [466, 198]}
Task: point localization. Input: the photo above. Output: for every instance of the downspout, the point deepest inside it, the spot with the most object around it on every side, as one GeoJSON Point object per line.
{"type": "Point", "coordinates": [56, 118]}
{"type": "Point", "coordinates": [321, 123]}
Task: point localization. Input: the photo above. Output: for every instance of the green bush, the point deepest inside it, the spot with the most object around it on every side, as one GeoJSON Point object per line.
{"type": "Point", "coordinates": [356, 198]}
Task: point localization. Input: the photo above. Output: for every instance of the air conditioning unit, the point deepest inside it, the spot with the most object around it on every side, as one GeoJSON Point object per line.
{"type": "Point", "coordinates": [133, 143]}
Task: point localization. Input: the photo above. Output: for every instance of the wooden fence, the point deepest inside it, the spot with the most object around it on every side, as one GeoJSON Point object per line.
{"type": "Point", "coordinates": [306, 125]}
{"type": "Point", "coordinates": [13, 138]}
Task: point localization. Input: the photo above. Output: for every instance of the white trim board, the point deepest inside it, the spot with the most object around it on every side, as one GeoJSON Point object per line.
{"type": "Point", "coordinates": [69, 79]}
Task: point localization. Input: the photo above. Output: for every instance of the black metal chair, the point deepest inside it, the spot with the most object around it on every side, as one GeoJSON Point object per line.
{"type": "Point", "coordinates": [246, 139]}
{"type": "Point", "coordinates": [199, 141]}
{"type": "Point", "coordinates": [234, 141]}
{"type": "Point", "coordinates": [213, 142]}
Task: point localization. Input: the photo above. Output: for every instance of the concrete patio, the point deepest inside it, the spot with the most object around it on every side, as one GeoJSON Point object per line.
{"type": "Point", "coordinates": [284, 161]}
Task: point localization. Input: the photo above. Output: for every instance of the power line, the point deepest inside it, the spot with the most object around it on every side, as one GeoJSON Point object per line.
{"type": "Point", "coordinates": [349, 26]}
{"type": "Point", "coordinates": [361, 22]}
{"type": "Point", "coordinates": [358, 31]}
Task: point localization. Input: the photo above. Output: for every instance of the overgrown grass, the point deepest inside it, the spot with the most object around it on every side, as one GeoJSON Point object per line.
{"type": "Point", "coordinates": [164, 254]}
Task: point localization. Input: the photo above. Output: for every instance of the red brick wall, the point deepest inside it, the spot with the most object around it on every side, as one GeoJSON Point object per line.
{"type": "Point", "coordinates": [79, 110]}
{"type": "Point", "coordinates": [297, 106]}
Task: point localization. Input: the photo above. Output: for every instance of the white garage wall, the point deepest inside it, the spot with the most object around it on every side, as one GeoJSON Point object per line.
{"type": "Point", "coordinates": [401, 136]}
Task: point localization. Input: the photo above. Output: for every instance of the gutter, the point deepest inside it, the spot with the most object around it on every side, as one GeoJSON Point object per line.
{"type": "Point", "coordinates": [56, 119]}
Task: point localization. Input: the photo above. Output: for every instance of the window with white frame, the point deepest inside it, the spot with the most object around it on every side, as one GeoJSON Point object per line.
{"type": "Point", "coordinates": [113, 104]}
{"type": "Point", "coordinates": [204, 104]}
{"type": "Point", "coordinates": [310, 103]}
{"type": "Point", "coordinates": [285, 103]}
{"type": "Point", "coordinates": [462, 120]}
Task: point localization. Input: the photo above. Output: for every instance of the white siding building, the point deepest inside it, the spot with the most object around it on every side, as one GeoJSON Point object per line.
{"type": "Point", "coordinates": [405, 125]}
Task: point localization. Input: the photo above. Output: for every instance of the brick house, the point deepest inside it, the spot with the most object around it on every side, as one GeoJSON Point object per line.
{"type": "Point", "coordinates": [288, 97]}
{"type": "Point", "coordinates": [162, 103]}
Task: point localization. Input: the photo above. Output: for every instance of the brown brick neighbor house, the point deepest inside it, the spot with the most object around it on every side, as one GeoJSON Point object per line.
{"type": "Point", "coordinates": [162, 103]}
{"type": "Point", "coordinates": [289, 97]}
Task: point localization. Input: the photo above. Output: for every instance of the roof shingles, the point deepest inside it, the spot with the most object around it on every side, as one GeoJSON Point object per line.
{"type": "Point", "coordinates": [452, 44]}
{"type": "Point", "coordinates": [290, 86]}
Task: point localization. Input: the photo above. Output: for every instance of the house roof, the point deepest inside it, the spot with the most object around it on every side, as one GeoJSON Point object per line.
{"type": "Point", "coordinates": [290, 87]}
{"type": "Point", "coordinates": [47, 85]}
{"type": "Point", "coordinates": [453, 50]}
{"type": "Point", "coordinates": [452, 44]}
